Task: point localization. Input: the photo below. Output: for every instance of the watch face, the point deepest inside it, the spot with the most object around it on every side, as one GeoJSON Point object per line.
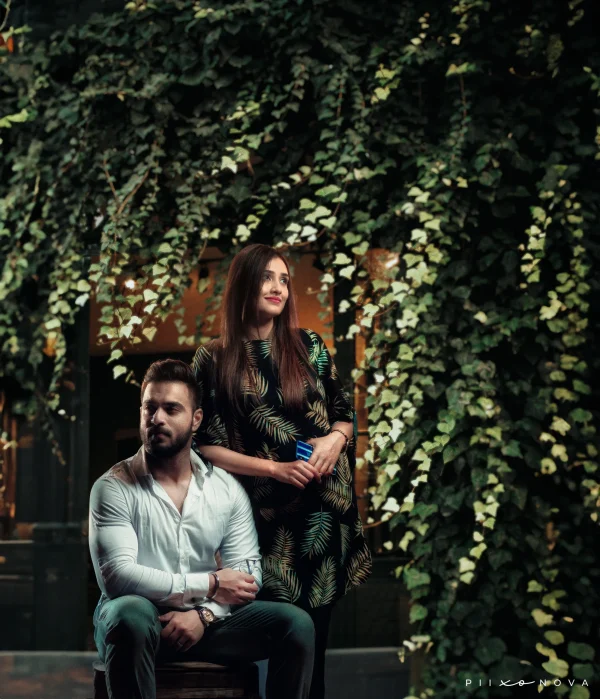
{"type": "Point", "coordinates": [208, 615]}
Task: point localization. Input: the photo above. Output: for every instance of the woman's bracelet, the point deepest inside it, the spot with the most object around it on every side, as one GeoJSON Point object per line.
{"type": "Point", "coordinates": [216, 577]}
{"type": "Point", "coordinates": [335, 429]}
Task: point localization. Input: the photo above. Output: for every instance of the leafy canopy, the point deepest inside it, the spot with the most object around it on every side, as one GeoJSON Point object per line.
{"type": "Point", "coordinates": [442, 162]}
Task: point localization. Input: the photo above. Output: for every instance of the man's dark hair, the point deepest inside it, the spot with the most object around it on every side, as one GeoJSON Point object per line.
{"type": "Point", "coordinates": [173, 370]}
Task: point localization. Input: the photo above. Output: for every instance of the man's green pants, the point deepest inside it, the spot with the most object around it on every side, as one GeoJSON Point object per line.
{"type": "Point", "coordinates": [127, 635]}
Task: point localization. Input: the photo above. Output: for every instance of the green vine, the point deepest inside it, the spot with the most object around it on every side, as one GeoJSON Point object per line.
{"type": "Point", "coordinates": [443, 164]}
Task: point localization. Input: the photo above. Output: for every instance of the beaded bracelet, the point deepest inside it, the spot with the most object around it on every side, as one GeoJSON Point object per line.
{"type": "Point", "coordinates": [335, 429]}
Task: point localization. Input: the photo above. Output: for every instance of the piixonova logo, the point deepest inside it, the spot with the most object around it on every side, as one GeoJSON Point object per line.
{"type": "Point", "coordinates": [556, 682]}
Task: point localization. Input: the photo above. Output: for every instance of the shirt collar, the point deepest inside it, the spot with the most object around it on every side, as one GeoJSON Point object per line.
{"type": "Point", "coordinates": [139, 467]}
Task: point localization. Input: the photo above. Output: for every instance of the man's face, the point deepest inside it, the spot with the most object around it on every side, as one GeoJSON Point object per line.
{"type": "Point", "coordinates": [167, 418]}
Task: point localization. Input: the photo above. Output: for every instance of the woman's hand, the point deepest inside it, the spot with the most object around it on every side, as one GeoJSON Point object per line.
{"type": "Point", "coordinates": [326, 451]}
{"type": "Point", "coordinates": [297, 473]}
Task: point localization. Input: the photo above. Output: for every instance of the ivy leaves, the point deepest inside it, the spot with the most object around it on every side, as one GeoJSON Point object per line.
{"type": "Point", "coordinates": [462, 226]}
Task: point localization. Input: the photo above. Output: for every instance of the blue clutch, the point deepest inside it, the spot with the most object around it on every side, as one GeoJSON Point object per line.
{"type": "Point", "coordinates": [303, 451]}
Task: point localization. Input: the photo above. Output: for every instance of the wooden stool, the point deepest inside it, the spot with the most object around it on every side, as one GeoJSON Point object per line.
{"type": "Point", "coordinates": [194, 680]}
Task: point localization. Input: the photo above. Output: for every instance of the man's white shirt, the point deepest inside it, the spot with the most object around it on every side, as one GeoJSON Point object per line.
{"type": "Point", "coordinates": [141, 545]}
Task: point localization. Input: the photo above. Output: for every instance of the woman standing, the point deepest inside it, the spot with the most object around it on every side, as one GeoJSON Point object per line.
{"type": "Point", "coordinates": [267, 384]}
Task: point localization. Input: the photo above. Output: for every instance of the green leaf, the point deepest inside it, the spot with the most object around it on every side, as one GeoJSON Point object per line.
{"type": "Point", "coordinates": [327, 191]}
{"type": "Point", "coordinates": [150, 295]}
{"type": "Point", "coordinates": [351, 239]}
{"type": "Point", "coordinates": [554, 637]}
{"type": "Point", "coordinates": [348, 271]}
{"type": "Point", "coordinates": [512, 449]}
{"type": "Point", "coordinates": [342, 259]}
{"type": "Point", "coordinates": [559, 425]}
{"type": "Point", "coordinates": [228, 163]}
{"type": "Point", "coordinates": [583, 671]}
{"type": "Point", "coordinates": [466, 564]}
{"type": "Point", "coordinates": [381, 94]}
{"type": "Point", "coordinates": [581, 651]}
{"type": "Point", "coordinates": [581, 387]}
{"type": "Point", "coordinates": [451, 452]}
{"type": "Point", "coordinates": [149, 333]}
{"type": "Point", "coordinates": [580, 415]}
{"type": "Point", "coordinates": [119, 370]}
{"type": "Point", "coordinates": [417, 613]}
{"type": "Point", "coordinates": [415, 578]}
{"type": "Point", "coordinates": [556, 667]}
{"type": "Point", "coordinates": [551, 310]}
{"type": "Point", "coordinates": [541, 618]}
{"type": "Point", "coordinates": [9, 119]}
{"type": "Point", "coordinates": [447, 427]}
{"type": "Point", "coordinates": [490, 650]}
{"type": "Point", "coordinates": [579, 692]}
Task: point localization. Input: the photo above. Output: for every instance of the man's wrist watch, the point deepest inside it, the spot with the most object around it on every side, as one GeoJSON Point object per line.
{"type": "Point", "coordinates": [207, 617]}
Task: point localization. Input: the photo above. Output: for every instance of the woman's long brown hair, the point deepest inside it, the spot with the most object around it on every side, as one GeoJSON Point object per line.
{"type": "Point", "coordinates": [239, 313]}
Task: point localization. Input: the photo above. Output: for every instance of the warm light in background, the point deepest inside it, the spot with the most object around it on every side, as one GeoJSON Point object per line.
{"type": "Point", "coordinates": [9, 43]}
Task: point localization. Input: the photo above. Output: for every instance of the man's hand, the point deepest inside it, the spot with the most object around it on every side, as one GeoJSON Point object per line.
{"type": "Point", "coordinates": [297, 473]}
{"type": "Point", "coordinates": [183, 629]}
{"type": "Point", "coordinates": [235, 587]}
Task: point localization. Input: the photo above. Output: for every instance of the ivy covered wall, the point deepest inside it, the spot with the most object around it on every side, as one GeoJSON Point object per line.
{"type": "Point", "coordinates": [462, 138]}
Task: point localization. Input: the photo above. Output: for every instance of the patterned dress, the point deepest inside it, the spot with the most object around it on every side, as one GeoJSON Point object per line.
{"type": "Point", "coordinates": [311, 540]}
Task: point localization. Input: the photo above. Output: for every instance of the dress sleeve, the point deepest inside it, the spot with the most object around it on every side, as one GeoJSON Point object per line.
{"type": "Point", "coordinates": [212, 431]}
{"type": "Point", "coordinates": [339, 404]}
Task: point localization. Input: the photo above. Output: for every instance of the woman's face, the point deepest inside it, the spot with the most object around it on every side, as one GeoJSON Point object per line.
{"type": "Point", "coordinates": [274, 291]}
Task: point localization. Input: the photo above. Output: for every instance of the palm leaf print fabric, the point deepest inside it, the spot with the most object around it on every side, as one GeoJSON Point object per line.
{"type": "Point", "coordinates": [311, 540]}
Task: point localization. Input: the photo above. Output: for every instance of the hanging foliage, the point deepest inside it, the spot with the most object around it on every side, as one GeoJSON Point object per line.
{"type": "Point", "coordinates": [461, 143]}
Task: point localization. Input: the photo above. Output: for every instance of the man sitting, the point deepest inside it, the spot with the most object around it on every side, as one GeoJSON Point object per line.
{"type": "Point", "coordinates": [157, 521]}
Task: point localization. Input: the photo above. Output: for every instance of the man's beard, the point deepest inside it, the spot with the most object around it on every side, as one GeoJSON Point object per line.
{"type": "Point", "coordinates": [164, 451]}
